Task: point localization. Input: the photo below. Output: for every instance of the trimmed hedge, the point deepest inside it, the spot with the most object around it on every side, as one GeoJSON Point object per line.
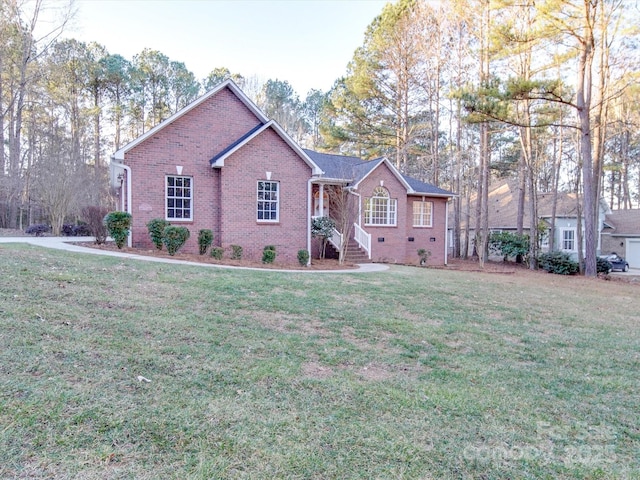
{"type": "Point", "coordinates": [303, 257]}
{"type": "Point", "coordinates": [156, 228]}
{"type": "Point", "coordinates": [174, 238]}
{"type": "Point", "coordinates": [205, 239]}
{"type": "Point", "coordinates": [269, 254]}
{"type": "Point", "coordinates": [118, 225]}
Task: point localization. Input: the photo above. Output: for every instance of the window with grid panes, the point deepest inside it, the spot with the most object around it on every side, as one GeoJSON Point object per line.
{"type": "Point", "coordinates": [268, 201]}
{"type": "Point", "coordinates": [422, 214]}
{"type": "Point", "coordinates": [380, 209]}
{"type": "Point", "coordinates": [179, 197]}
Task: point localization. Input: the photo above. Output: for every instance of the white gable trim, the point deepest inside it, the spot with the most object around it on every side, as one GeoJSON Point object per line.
{"type": "Point", "coordinates": [119, 155]}
{"type": "Point", "coordinates": [283, 135]}
{"type": "Point", "coordinates": [393, 169]}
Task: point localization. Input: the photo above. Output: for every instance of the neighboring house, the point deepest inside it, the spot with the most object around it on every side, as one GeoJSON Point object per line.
{"type": "Point", "coordinates": [621, 234]}
{"type": "Point", "coordinates": [221, 164]}
{"type": "Point", "coordinates": [503, 214]}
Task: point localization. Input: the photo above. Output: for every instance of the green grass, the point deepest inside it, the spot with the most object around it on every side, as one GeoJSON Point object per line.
{"type": "Point", "coordinates": [411, 373]}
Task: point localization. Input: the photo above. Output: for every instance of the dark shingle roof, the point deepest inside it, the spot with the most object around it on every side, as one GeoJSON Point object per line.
{"type": "Point", "coordinates": [354, 169]}
{"type": "Point", "coordinates": [335, 166]}
{"type": "Point", "coordinates": [426, 188]}
{"type": "Point", "coordinates": [236, 143]}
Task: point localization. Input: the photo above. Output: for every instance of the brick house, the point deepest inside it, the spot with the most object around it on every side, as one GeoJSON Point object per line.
{"type": "Point", "coordinates": [221, 164]}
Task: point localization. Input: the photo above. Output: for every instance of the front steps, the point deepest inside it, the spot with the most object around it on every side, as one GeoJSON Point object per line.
{"type": "Point", "coordinates": [354, 253]}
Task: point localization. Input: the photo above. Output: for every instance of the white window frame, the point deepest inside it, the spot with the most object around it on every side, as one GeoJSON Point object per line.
{"type": "Point", "coordinates": [380, 210]}
{"type": "Point", "coordinates": [422, 214]}
{"type": "Point", "coordinates": [175, 198]}
{"type": "Point", "coordinates": [266, 201]}
{"type": "Point", "coordinates": [565, 240]}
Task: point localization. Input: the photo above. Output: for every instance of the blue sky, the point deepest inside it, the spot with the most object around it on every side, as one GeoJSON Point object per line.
{"type": "Point", "coordinates": [306, 42]}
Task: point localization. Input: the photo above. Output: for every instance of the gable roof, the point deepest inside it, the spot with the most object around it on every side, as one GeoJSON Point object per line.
{"type": "Point", "coordinates": [623, 222]}
{"type": "Point", "coordinates": [119, 155]}
{"type": "Point", "coordinates": [353, 170]}
{"type": "Point", "coordinates": [218, 160]}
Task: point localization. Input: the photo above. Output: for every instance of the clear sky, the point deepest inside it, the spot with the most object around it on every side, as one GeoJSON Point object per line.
{"type": "Point", "coordinates": [306, 42]}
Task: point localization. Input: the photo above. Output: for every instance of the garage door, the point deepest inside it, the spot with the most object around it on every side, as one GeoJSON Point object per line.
{"type": "Point", "coordinates": [633, 252]}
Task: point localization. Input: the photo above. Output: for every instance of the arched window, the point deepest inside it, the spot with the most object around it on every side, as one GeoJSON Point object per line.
{"type": "Point", "coordinates": [380, 208]}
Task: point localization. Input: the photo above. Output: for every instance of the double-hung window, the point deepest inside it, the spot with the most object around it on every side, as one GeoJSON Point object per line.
{"type": "Point", "coordinates": [179, 198]}
{"type": "Point", "coordinates": [422, 214]}
{"type": "Point", "coordinates": [380, 208]}
{"type": "Point", "coordinates": [268, 201]}
{"type": "Point", "coordinates": [569, 239]}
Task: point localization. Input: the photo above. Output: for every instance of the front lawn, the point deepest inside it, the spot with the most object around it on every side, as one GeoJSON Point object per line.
{"type": "Point", "coordinates": [113, 368]}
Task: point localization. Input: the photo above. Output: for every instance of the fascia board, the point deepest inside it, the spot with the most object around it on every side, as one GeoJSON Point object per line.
{"type": "Point", "coordinates": [415, 193]}
{"type": "Point", "coordinates": [393, 169]}
{"type": "Point", "coordinates": [294, 146]}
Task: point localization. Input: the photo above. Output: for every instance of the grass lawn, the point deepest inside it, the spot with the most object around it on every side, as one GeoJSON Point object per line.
{"type": "Point", "coordinates": [114, 368]}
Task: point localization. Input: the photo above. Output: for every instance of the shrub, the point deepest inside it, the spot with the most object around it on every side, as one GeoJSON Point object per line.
{"type": "Point", "coordinates": [118, 225]}
{"type": "Point", "coordinates": [67, 230]}
{"type": "Point", "coordinates": [174, 238]}
{"type": "Point", "coordinates": [94, 216]}
{"type": "Point", "coordinates": [303, 257]}
{"type": "Point", "coordinates": [156, 228]}
{"type": "Point", "coordinates": [424, 255]}
{"type": "Point", "coordinates": [558, 262]}
{"type": "Point", "coordinates": [236, 252]}
{"type": "Point", "coordinates": [269, 254]}
{"type": "Point", "coordinates": [205, 239]}
{"type": "Point", "coordinates": [38, 229]}
{"type": "Point", "coordinates": [81, 230]}
{"type": "Point", "coordinates": [217, 253]}
{"type": "Point", "coordinates": [322, 227]}
{"type": "Point", "coordinates": [603, 265]}
{"type": "Point", "coordinates": [509, 244]}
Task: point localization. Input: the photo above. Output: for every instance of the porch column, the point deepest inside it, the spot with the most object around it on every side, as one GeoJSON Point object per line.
{"type": "Point", "coordinates": [321, 199]}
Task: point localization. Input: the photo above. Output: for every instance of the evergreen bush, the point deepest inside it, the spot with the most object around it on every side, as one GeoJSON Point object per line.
{"type": "Point", "coordinates": [156, 228]}
{"type": "Point", "coordinates": [236, 252]}
{"type": "Point", "coordinates": [509, 244]}
{"type": "Point", "coordinates": [560, 263]}
{"type": "Point", "coordinates": [269, 254]}
{"type": "Point", "coordinates": [118, 225]}
{"type": "Point", "coordinates": [174, 238]}
{"type": "Point", "coordinates": [603, 265]}
{"type": "Point", "coordinates": [303, 257]}
{"type": "Point", "coordinates": [217, 253]}
{"type": "Point", "coordinates": [205, 239]}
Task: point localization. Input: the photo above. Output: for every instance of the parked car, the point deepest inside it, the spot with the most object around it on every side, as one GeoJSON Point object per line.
{"type": "Point", "coordinates": [617, 262]}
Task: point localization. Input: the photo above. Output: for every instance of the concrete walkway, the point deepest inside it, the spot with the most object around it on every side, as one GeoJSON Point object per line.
{"type": "Point", "coordinates": [66, 243]}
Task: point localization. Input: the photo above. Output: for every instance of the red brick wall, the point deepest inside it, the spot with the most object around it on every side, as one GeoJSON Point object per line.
{"type": "Point", "coordinates": [423, 235]}
{"type": "Point", "coordinates": [190, 141]}
{"type": "Point", "coordinates": [396, 247]}
{"type": "Point", "coordinates": [393, 248]}
{"type": "Point", "coordinates": [240, 174]}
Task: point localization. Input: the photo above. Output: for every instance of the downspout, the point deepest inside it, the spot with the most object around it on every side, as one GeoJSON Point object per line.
{"type": "Point", "coordinates": [446, 231]}
{"type": "Point", "coordinates": [127, 169]}
{"type": "Point", "coordinates": [309, 207]}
